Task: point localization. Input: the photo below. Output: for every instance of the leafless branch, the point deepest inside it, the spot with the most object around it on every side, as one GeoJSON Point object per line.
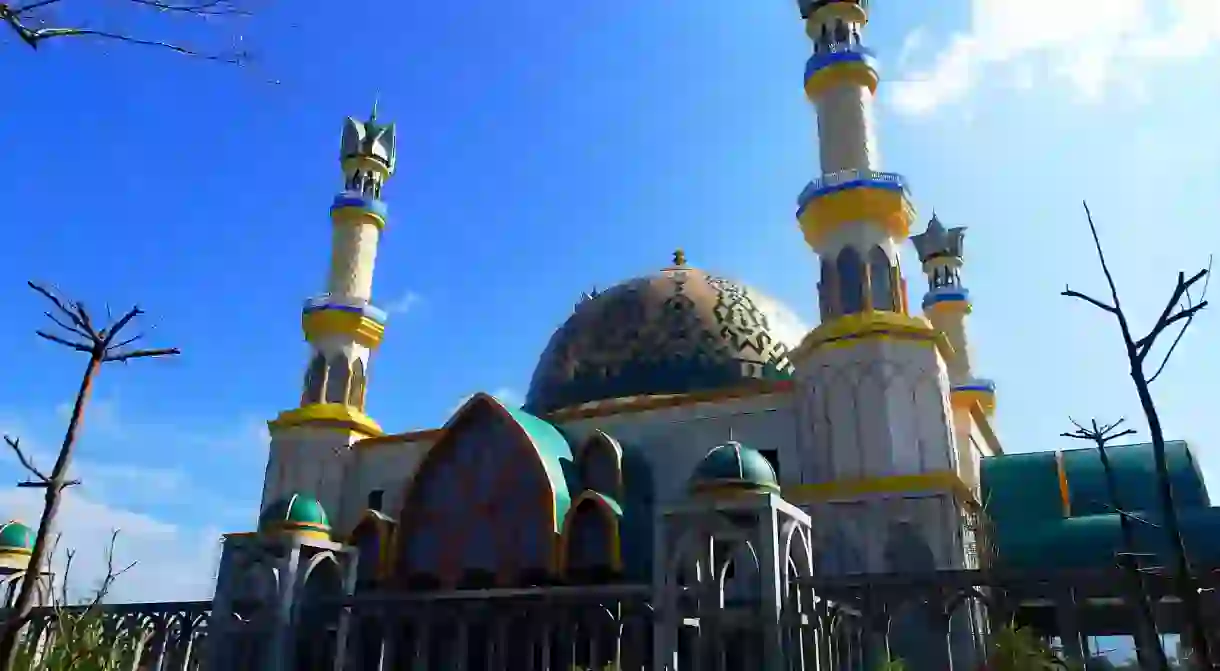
{"type": "Point", "coordinates": [62, 306]}
{"type": "Point", "coordinates": [141, 354]}
{"type": "Point", "coordinates": [1088, 299]}
{"type": "Point", "coordinates": [19, 19]}
{"type": "Point", "coordinates": [61, 341]}
{"type": "Point", "coordinates": [26, 462]}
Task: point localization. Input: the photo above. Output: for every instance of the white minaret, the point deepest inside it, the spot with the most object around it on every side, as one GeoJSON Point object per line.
{"type": "Point", "coordinates": [879, 454]}
{"type": "Point", "coordinates": [342, 326]}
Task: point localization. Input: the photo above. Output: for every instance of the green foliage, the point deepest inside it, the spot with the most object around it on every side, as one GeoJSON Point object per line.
{"type": "Point", "coordinates": [1018, 649]}
{"type": "Point", "coordinates": [892, 664]}
{"type": "Point", "coordinates": [81, 643]}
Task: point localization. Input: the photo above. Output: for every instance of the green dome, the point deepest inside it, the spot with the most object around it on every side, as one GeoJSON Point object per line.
{"type": "Point", "coordinates": [16, 537]}
{"type": "Point", "coordinates": [296, 512]}
{"type": "Point", "coordinates": [735, 466]}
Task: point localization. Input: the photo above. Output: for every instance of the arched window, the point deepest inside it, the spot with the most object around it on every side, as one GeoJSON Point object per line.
{"type": "Point", "coordinates": [588, 542]}
{"type": "Point", "coordinates": [337, 377]}
{"type": "Point", "coordinates": [880, 283]}
{"type": "Point", "coordinates": [315, 381]}
{"type": "Point", "coordinates": [851, 281]}
{"type": "Point", "coordinates": [842, 34]}
{"type": "Point", "coordinates": [355, 393]}
{"type": "Point", "coordinates": [599, 465]}
{"type": "Point", "coordinates": [828, 291]}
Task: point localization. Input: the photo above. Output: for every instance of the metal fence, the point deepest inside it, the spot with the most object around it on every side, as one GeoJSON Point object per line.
{"type": "Point", "coordinates": [935, 621]}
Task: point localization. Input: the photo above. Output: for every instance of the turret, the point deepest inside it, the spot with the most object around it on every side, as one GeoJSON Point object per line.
{"type": "Point", "coordinates": [946, 305]}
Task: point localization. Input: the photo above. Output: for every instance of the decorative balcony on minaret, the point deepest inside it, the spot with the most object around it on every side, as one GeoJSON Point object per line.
{"type": "Point", "coordinates": [946, 305]}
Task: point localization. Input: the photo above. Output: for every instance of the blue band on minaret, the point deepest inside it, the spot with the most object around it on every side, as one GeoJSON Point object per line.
{"type": "Point", "coordinates": [359, 201]}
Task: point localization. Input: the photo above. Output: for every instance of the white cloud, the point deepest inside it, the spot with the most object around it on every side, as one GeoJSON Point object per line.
{"type": "Point", "coordinates": [172, 563]}
{"type": "Point", "coordinates": [1083, 43]}
{"type": "Point", "coordinates": [784, 323]}
{"type": "Point", "coordinates": [403, 304]}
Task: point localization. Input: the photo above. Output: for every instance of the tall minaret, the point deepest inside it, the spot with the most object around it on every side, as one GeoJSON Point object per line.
{"type": "Point", "coordinates": [342, 327]}
{"type": "Point", "coordinates": [879, 452]}
{"type": "Point", "coordinates": [946, 305]}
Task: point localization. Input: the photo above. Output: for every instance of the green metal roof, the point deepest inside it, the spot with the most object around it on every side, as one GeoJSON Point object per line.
{"type": "Point", "coordinates": [295, 510]}
{"type": "Point", "coordinates": [556, 457]}
{"type": "Point", "coordinates": [16, 536]}
{"type": "Point", "coordinates": [734, 464]}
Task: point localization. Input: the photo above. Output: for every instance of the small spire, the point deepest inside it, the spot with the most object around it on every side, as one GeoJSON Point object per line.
{"type": "Point", "coordinates": [373, 112]}
{"type": "Point", "coordinates": [679, 257]}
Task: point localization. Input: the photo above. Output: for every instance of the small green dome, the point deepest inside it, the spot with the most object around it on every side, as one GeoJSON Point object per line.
{"type": "Point", "coordinates": [735, 466]}
{"type": "Point", "coordinates": [16, 537]}
{"type": "Point", "coordinates": [296, 512]}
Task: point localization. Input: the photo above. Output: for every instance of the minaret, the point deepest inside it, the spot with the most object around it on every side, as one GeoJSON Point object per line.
{"type": "Point", "coordinates": [879, 451]}
{"type": "Point", "coordinates": [342, 328]}
{"type": "Point", "coordinates": [946, 305]}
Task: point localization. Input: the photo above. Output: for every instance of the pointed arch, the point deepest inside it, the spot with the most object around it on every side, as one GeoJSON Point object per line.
{"type": "Point", "coordinates": [315, 381]}
{"type": "Point", "coordinates": [493, 488]}
{"type": "Point", "coordinates": [850, 269]}
{"type": "Point", "coordinates": [880, 279]}
{"type": "Point", "coordinates": [338, 375]}
{"type": "Point", "coordinates": [828, 291]}
{"type": "Point", "coordinates": [590, 528]}
{"type": "Point", "coordinates": [356, 389]}
{"type": "Point", "coordinates": [600, 464]}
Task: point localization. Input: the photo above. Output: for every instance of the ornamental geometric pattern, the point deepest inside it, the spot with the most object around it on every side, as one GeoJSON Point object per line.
{"type": "Point", "coordinates": [678, 331]}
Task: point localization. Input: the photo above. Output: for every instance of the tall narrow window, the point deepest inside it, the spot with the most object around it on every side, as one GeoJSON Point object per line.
{"type": "Point", "coordinates": [337, 377]}
{"type": "Point", "coordinates": [315, 381]}
{"type": "Point", "coordinates": [355, 394]}
{"type": "Point", "coordinates": [828, 291]}
{"type": "Point", "coordinates": [851, 281]}
{"type": "Point", "coordinates": [879, 277]}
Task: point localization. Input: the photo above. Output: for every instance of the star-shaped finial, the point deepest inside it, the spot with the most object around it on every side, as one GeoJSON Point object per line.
{"type": "Point", "coordinates": [679, 257]}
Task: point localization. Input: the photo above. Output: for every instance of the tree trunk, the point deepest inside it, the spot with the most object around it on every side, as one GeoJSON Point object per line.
{"type": "Point", "coordinates": [54, 493]}
{"type": "Point", "coordinates": [1183, 578]}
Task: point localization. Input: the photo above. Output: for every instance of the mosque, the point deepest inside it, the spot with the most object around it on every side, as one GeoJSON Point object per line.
{"type": "Point", "coordinates": [677, 390]}
{"type": "Point", "coordinates": [679, 386]}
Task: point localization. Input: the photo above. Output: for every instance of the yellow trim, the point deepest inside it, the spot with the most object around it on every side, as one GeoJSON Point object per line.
{"type": "Point", "coordinates": [730, 489]}
{"type": "Point", "coordinates": [983, 423]}
{"type": "Point", "coordinates": [893, 484]}
{"type": "Point", "coordinates": [848, 330]}
{"type": "Point", "coordinates": [886, 207]}
{"type": "Point", "coordinates": [614, 540]}
{"type": "Point", "coordinates": [357, 216]}
{"type": "Point", "coordinates": [848, 11]}
{"type": "Point", "coordinates": [15, 552]}
{"type": "Point", "coordinates": [362, 329]}
{"type": "Point", "coordinates": [965, 398]}
{"type": "Point", "coordinates": [853, 73]}
{"type": "Point", "coordinates": [949, 308]}
{"type": "Point", "coordinates": [354, 163]}
{"type": "Point", "coordinates": [329, 414]}
{"type": "Point", "coordinates": [1065, 491]}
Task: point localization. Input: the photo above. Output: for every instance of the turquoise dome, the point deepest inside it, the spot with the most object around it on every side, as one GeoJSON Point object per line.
{"type": "Point", "coordinates": [296, 512]}
{"type": "Point", "coordinates": [734, 466]}
{"type": "Point", "coordinates": [677, 331]}
{"type": "Point", "coordinates": [16, 537]}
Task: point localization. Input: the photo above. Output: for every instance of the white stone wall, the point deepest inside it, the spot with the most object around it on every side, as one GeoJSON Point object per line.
{"type": "Point", "coordinates": [674, 440]}
{"type": "Point", "coordinates": [353, 256]}
{"type": "Point", "coordinates": [308, 459]}
{"type": "Point", "coordinates": [385, 466]}
{"type": "Point", "coordinates": [854, 535]}
{"type": "Point", "coordinates": [878, 408]}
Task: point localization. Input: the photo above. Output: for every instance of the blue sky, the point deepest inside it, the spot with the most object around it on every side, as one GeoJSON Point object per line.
{"type": "Point", "coordinates": [546, 148]}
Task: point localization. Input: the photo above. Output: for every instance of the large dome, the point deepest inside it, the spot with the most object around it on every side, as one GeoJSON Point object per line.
{"type": "Point", "coordinates": [678, 331]}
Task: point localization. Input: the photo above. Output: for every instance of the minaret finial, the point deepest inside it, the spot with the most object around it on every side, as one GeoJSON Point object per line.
{"type": "Point", "coordinates": [679, 257]}
{"type": "Point", "coordinates": [373, 112]}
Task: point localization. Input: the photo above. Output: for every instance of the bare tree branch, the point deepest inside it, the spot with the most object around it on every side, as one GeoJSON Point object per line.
{"type": "Point", "coordinates": [61, 341]}
{"type": "Point", "coordinates": [26, 462]}
{"type": "Point", "coordinates": [141, 354]}
{"type": "Point", "coordinates": [1088, 299]}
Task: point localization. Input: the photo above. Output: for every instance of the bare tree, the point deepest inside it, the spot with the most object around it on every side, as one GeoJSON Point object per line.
{"type": "Point", "coordinates": [34, 22]}
{"type": "Point", "coordinates": [1179, 312]}
{"type": "Point", "coordinates": [103, 345]}
{"type": "Point", "coordinates": [1148, 646]}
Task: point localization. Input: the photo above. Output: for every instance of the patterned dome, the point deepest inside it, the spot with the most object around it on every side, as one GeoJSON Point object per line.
{"type": "Point", "coordinates": [16, 537]}
{"type": "Point", "coordinates": [734, 465]}
{"type": "Point", "coordinates": [678, 331]}
{"type": "Point", "coordinates": [297, 512]}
